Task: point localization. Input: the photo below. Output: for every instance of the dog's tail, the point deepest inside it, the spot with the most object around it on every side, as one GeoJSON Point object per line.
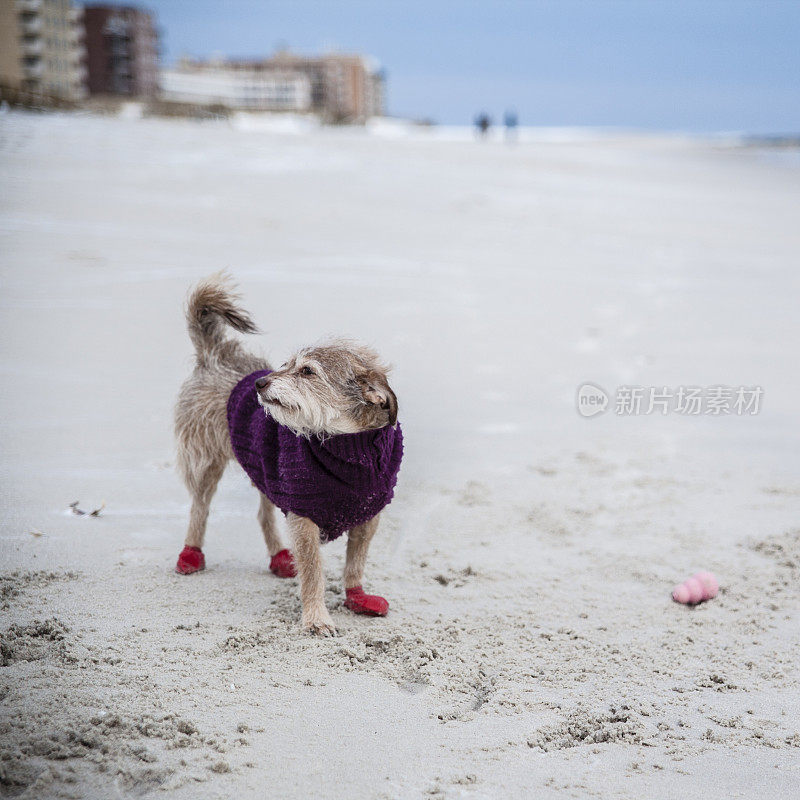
{"type": "Point", "coordinates": [211, 306]}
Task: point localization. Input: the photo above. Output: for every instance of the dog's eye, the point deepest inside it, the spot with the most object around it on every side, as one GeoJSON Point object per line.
{"type": "Point", "coordinates": [307, 371]}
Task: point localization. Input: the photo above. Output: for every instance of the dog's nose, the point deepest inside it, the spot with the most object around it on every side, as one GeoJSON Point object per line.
{"type": "Point", "coordinates": [262, 381]}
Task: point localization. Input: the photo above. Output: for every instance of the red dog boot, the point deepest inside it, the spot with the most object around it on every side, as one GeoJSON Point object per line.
{"type": "Point", "coordinates": [190, 560]}
{"type": "Point", "coordinates": [282, 564]}
{"type": "Point", "coordinates": [370, 604]}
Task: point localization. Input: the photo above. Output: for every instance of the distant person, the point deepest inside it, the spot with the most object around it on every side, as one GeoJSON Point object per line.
{"type": "Point", "coordinates": [511, 121]}
{"type": "Point", "coordinates": [482, 123]}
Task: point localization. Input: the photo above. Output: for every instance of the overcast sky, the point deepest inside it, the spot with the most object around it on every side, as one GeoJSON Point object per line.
{"type": "Point", "coordinates": [697, 65]}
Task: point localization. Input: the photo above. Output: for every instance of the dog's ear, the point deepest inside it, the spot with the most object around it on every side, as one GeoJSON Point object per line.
{"type": "Point", "coordinates": [376, 391]}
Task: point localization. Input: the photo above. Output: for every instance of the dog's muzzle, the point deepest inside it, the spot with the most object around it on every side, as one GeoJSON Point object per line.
{"type": "Point", "coordinates": [262, 385]}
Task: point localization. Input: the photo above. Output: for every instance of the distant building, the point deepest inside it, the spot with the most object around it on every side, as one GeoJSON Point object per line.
{"type": "Point", "coordinates": [240, 85]}
{"type": "Point", "coordinates": [345, 88]}
{"type": "Point", "coordinates": [41, 48]}
{"type": "Point", "coordinates": [341, 88]}
{"type": "Point", "coordinates": [121, 51]}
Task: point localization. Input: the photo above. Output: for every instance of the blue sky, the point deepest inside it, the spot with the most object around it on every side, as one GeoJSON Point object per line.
{"type": "Point", "coordinates": [696, 65]}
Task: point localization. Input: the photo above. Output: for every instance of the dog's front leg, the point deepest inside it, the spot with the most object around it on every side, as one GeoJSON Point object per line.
{"type": "Point", "coordinates": [357, 546]}
{"type": "Point", "coordinates": [307, 554]}
{"type": "Point", "coordinates": [358, 541]}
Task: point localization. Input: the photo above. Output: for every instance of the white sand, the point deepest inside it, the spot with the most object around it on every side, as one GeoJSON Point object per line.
{"type": "Point", "coordinates": [532, 649]}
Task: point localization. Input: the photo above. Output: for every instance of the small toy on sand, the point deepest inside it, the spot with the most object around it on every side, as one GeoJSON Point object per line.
{"type": "Point", "coordinates": [701, 586]}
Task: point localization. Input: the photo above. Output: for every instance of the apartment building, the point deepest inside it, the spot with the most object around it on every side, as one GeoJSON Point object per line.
{"type": "Point", "coordinates": [341, 88]}
{"type": "Point", "coordinates": [344, 88]}
{"type": "Point", "coordinates": [240, 85]}
{"type": "Point", "coordinates": [121, 51]}
{"type": "Point", "coordinates": [42, 49]}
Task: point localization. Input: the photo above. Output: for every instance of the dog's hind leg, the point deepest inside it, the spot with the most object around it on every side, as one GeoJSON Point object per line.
{"type": "Point", "coordinates": [202, 482]}
{"type": "Point", "coordinates": [281, 561]}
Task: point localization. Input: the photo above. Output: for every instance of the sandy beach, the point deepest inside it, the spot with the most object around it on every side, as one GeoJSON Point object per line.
{"type": "Point", "coordinates": [532, 648]}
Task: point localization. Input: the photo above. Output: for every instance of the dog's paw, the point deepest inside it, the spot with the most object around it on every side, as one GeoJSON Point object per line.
{"type": "Point", "coordinates": [282, 564]}
{"type": "Point", "coordinates": [318, 621]}
{"type": "Point", "coordinates": [370, 604]}
{"type": "Point", "coordinates": [190, 560]}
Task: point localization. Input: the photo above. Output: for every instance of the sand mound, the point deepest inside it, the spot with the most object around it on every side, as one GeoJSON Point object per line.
{"type": "Point", "coordinates": [585, 728]}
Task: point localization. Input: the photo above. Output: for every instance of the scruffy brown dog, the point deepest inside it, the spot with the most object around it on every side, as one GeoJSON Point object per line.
{"type": "Point", "coordinates": [318, 437]}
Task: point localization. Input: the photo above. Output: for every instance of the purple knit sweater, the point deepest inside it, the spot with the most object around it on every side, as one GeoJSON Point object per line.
{"type": "Point", "coordinates": [338, 482]}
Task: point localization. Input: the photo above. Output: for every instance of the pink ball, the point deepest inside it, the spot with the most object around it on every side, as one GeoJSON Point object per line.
{"type": "Point", "coordinates": [710, 585]}
{"type": "Point", "coordinates": [680, 594]}
{"type": "Point", "coordinates": [696, 590]}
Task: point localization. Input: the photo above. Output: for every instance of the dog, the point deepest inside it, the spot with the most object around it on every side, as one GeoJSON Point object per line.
{"type": "Point", "coordinates": [318, 437]}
